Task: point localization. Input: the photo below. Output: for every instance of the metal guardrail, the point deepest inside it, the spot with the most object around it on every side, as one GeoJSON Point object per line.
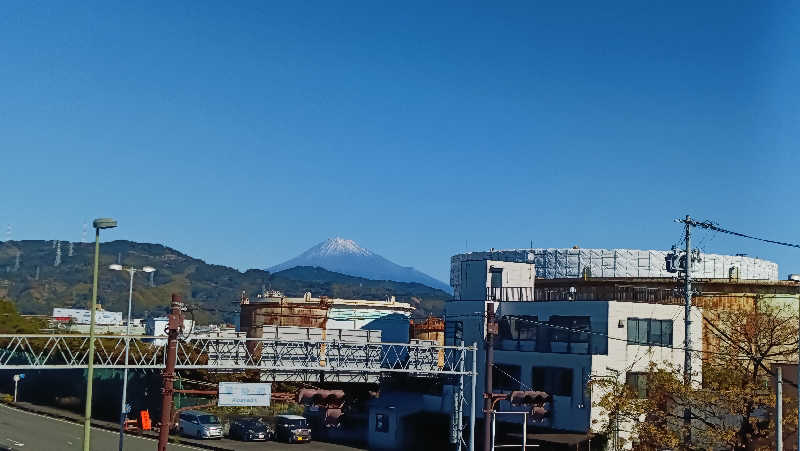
{"type": "Point", "coordinates": [40, 351]}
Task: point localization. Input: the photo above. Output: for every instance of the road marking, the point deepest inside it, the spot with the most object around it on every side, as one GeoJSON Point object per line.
{"type": "Point", "coordinates": [15, 443]}
{"type": "Point", "coordinates": [95, 428]}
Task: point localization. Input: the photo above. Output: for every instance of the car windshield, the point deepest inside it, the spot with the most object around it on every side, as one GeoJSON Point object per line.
{"type": "Point", "coordinates": [254, 425]}
{"type": "Point", "coordinates": [296, 423]}
{"type": "Point", "coordinates": [208, 419]}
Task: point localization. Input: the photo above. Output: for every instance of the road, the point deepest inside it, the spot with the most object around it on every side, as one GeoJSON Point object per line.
{"type": "Point", "coordinates": [25, 431]}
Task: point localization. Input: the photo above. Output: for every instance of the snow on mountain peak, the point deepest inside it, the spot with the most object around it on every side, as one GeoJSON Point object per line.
{"type": "Point", "coordinates": [340, 246]}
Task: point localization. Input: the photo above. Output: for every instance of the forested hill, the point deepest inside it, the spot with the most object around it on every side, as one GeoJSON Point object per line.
{"type": "Point", "coordinates": [215, 288]}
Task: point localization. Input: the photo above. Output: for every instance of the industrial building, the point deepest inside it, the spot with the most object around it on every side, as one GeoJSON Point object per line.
{"type": "Point", "coordinates": [83, 316]}
{"type": "Point", "coordinates": [389, 317]}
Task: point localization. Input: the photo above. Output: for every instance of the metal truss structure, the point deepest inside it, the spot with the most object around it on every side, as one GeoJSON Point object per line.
{"type": "Point", "coordinates": [40, 351]}
{"type": "Point", "coordinates": [276, 360]}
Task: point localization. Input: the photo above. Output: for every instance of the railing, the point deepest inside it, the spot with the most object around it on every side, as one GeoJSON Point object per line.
{"type": "Point", "coordinates": [233, 354]}
{"type": "Point", "coordinates": [509, 293]}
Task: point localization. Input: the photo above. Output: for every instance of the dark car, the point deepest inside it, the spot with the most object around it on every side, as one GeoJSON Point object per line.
{"type": "Point", "coordinates": [250, 429]}
{"type": "Point", "coordinates": [291, 429]}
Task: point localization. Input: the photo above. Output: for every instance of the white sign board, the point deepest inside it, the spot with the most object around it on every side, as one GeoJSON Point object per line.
{"type": "Point", "coordinates": [244, 394]}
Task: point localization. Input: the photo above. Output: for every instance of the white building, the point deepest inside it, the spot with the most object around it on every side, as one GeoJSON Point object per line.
{"type": "Point", "coordinates": [542, 345]}
{"type": "Point", "coordinates": [157, 327]}
{"type": "Point", "coordinates": [83, 316]}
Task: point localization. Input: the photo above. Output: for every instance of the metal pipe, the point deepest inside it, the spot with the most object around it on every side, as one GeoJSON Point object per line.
{"type": "Point", "coordinates": [525, 431]}
{"type": "Point", "coordinates": [87, 421]}
{"type": "Point", "coordinates": [779, 408]}
{"type": "Point", "coordinates": [123, 411]}
{"type": "Point", "coordinates": [460, 409]}
{"type": "Point", "coordinates": [472, 400]}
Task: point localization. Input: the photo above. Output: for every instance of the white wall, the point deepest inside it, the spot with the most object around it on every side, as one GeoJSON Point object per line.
{"type": "Point", "coordinates": [575, 413]}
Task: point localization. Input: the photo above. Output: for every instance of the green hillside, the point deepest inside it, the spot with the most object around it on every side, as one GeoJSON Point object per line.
{"type": "Point", "coordinates": [215, 288]}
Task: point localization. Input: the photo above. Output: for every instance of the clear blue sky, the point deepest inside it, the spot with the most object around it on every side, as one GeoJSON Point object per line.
{"type": "Point", "coordinates": [243, 133]}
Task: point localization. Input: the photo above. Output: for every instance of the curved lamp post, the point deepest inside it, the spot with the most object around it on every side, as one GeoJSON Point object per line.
{"type": "Point", "coordinates": [100, 223]}
{"type": "Point", "coordinates": [124, 411]}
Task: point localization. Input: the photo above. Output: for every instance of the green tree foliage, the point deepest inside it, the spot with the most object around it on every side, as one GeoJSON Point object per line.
{"type": "Point", "coordinates": [11, 322]}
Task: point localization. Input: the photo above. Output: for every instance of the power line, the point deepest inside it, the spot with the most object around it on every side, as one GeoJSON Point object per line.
{"type": "Point", "coordinates": [713, 226]}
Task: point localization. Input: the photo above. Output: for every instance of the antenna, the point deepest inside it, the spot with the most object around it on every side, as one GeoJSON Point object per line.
{"type": "Point", "coordinates": [8, 233]}
{"type": "Point", "coordinates": [83, 233]}
{"type": "Point", "coordinates": [54, 244]}
{"type": "Point", "coordinates": [16, 263]}
{"type": "Point", "coordinates": [58, 253]}
{"type": "Point", "coordinates": [71, 249]}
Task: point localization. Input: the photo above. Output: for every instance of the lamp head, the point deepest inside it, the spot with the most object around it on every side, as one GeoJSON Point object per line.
{"type": "Point", "coordinates": [115, 267]}
{"type": "Point", "coordinates": [104, 223]}
{"type": "Point", "coordinates": [148, 269]}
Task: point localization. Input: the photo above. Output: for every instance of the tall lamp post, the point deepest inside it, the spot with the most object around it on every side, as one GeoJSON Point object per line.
{"type": "Point", "coordinates": [100, 223]}
{"type": "Point", "coordinates": [124, 411]}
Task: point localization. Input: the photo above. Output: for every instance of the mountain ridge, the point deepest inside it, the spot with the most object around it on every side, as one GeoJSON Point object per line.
{"type": "Point", "coordinates": [348, 257]}
{"type": "Point", "coordinates": [215, 289]}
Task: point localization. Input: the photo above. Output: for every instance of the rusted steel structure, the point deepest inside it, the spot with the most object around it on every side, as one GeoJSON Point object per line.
{"type": "Point", "coordinates": [431, 329]}
{"type": "Point", "coordinates": [278, 310]}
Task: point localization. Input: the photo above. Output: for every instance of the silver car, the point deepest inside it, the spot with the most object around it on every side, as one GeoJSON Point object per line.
{"type": "Point", "coordinates": [194, 423]}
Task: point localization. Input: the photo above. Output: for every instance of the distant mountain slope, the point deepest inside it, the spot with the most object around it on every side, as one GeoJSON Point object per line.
{"type": "Point", "coordinates": [215, 288]}
{"type": "Point", "coordinates": [347, 257]}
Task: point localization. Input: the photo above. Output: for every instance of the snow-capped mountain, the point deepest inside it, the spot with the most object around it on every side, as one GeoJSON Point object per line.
{"type": "Point", "coordinates": [347, 257]}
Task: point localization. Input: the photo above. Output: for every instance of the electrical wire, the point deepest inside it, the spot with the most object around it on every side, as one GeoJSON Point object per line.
{"type": "Point", "coordinates": [715, 227]}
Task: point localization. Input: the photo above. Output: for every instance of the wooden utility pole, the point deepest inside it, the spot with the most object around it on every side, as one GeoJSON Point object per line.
{"type": "Point", "coordinates": [174, 327]}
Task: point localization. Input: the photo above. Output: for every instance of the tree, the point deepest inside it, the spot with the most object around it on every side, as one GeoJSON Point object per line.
{"type": "Point", "coordinates": [732, 406]}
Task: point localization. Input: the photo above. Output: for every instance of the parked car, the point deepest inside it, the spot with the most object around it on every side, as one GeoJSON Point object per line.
{"type": "Point", "coordinates": [291, 429]}
{"type": "Point", "coordinates": [194, 423]}
{"type": "Point", "coordinates": [250, 429]}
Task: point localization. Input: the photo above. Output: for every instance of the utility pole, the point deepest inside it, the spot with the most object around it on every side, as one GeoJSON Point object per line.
{"type": "Point", "coordinates": [687, 323]}
{"type": "Point", "coordinates": [491, 331]}
{"type": "Point", "coordinates": [174, 327]}
{"type": "Point", "coordinates": [779, 409]}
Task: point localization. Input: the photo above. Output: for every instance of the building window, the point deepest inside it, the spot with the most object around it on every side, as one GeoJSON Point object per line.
{"type": "Point", "coordinates": [638, 383]}
{"type": "Point", "coordinates": [553, 380]}
{"type": "Point", "coordinates": [453, 333]}
{"type": "Point", "coordinates": [566, 334]}
{"type": "Point", "coordinates": [381, 422]}
{"type": "Point", "coordinates": [518, 333]}
{"type": "Point", "coordinates": [646, 331]}
{"type": "Point", "coordinates": [506, 377]}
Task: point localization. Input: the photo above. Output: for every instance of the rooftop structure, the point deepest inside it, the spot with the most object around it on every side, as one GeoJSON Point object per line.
{"type": "Point", "coordinates": [615, 263]}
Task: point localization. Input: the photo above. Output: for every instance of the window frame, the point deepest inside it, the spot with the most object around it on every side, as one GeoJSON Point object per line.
{"type": "Point", "coordinates": [499, 377]}
{"type": "Point", "coordinates": [636, 336]}
{"type": "Point", "coordinates": [551, 380]}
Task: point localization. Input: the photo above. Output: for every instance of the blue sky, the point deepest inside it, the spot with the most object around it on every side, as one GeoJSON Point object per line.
{"type": "Point", "coordinates": [245, 133]}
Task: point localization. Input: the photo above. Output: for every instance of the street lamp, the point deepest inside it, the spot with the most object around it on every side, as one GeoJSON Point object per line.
{"type": "Point", "coordinates": [123, 413]}
{"type": "Point", "coordinates": [100, 223]}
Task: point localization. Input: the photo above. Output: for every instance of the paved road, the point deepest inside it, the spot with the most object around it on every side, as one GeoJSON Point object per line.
{"type": "Point", "coordinates": [25, 431]}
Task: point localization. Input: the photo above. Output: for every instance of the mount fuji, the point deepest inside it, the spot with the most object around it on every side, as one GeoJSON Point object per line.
{"type": "Point", "coordinates": [347, 257]}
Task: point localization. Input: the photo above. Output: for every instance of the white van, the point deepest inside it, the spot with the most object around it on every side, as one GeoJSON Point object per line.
{"type": "Point", "coordinates": [194, 423]}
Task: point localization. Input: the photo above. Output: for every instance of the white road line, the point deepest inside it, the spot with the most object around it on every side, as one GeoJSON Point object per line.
{"type": "Point", "coordinates": [96, 428]}
{"type": "Point", "coordinates": [15, 443]}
